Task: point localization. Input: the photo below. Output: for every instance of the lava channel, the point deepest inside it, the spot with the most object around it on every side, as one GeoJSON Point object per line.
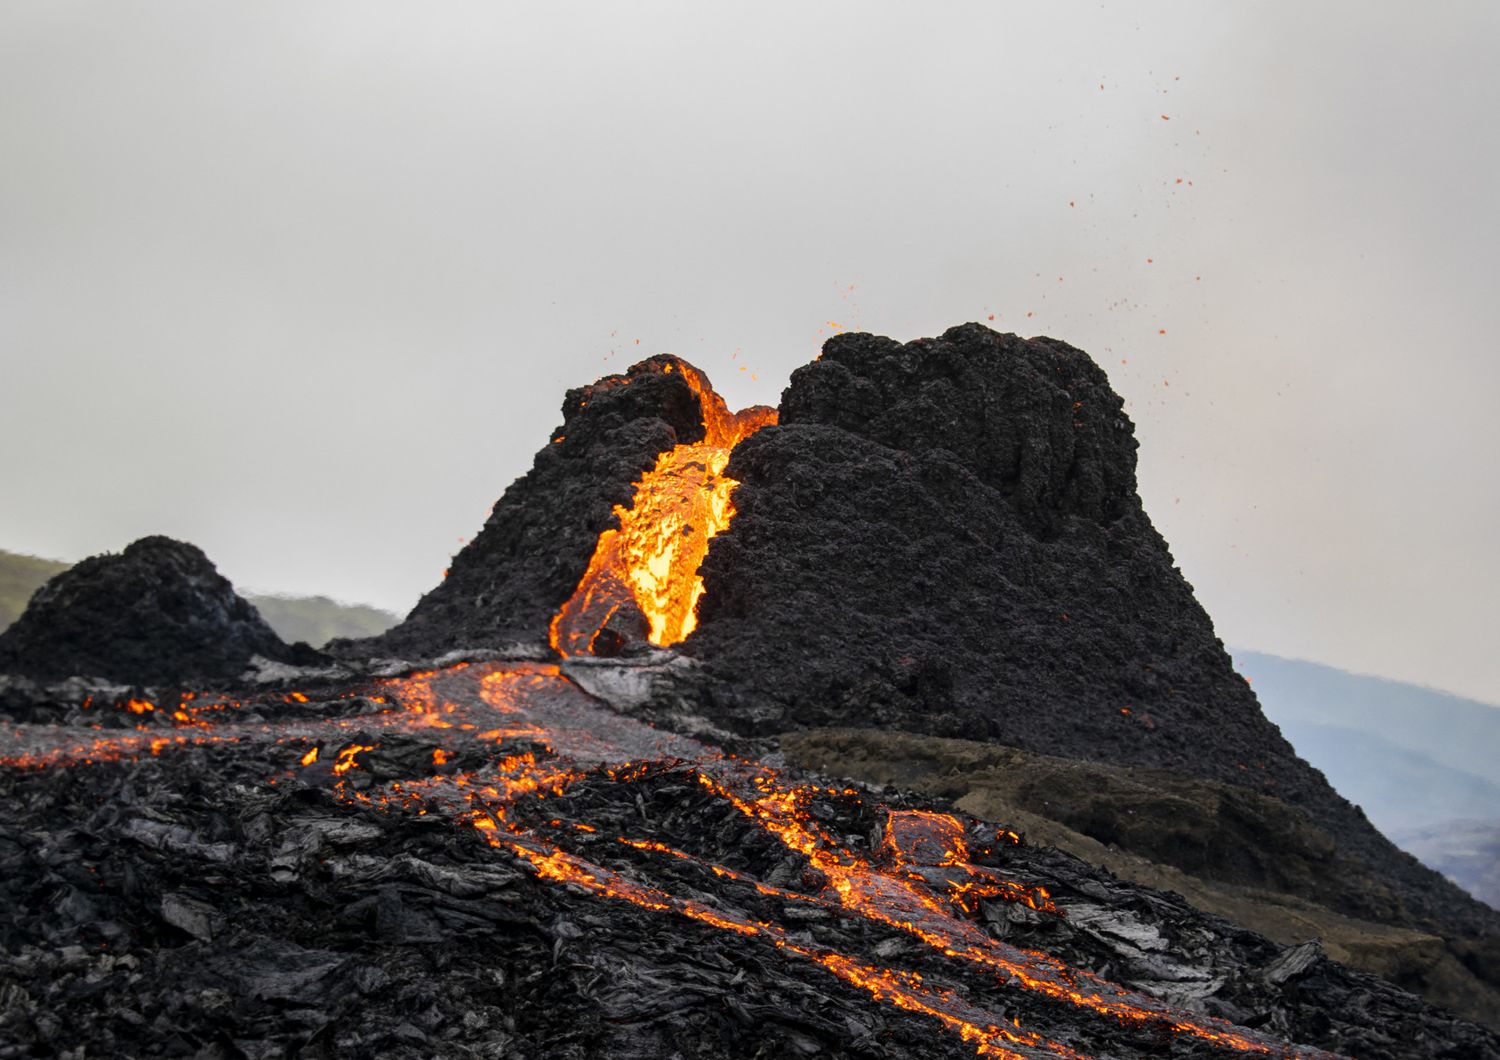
{"type": "Point", "coordinates": [643, 577]}
{"type": "Point", "coordinates": [535, 739]}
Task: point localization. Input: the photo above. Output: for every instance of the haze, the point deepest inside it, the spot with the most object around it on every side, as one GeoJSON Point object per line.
{"type": "Point", "coordinates": [304, 283]}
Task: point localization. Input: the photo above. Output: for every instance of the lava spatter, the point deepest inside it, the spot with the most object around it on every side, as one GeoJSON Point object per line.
{"type": "Point", "coordinates": [647, 570]}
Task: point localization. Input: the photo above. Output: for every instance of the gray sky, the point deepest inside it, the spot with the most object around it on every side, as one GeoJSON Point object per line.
{"type": "Point", "coordinates": [304, 282]}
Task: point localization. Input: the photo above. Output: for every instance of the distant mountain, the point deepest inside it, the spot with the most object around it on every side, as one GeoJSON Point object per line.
{"type": "Point", "coordinates": [314, 619]}
{"type": "Point", "coordinates": [317, 619]}
{"type": "Point", "coordinates": [1453, 732]}
{"type": "Point", "coordinates": [1398, 788]}
{"type": "Point", "coordinates": [1424, 765]}
{"type": "Point", "coordinates": [20, 576]}
{"type": "Point", "coordinates": [1467, 852]}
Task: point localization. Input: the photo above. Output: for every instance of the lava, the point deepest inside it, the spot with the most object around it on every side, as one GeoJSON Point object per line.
{"type": "Point", "coordinates": [916, 881]}
{"type": "Point", "coordinates": [646, 572]}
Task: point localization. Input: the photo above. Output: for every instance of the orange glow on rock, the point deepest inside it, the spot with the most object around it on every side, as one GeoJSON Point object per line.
{"type": "Point", "coordinates": [345, 761]}
{"type": "Point", "coordinates": [649, 566]}
{"type": "Point", "coordinates": [922, 883]}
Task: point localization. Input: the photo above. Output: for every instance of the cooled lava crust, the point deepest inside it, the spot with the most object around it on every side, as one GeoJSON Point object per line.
{"type": "Point", "coordinates": [945, 537]}
{"type": "Point", "coordinates": [486, 862]}
{"type": "Point", "coordinates": [942, 536]}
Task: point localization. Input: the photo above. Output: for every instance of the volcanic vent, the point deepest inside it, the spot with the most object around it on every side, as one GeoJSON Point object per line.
{"type": "Point", "coordinates": [642, 582]}
{"type": "Point", "coordinates": [597, 547]}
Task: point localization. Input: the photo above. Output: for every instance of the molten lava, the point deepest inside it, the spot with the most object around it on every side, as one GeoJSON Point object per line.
{"type": "Point", "coordinates": [646, 572]}
{"type": "Point", "coordinates": [916, 884]}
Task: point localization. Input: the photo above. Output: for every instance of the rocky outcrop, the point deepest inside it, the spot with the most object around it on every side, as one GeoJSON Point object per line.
{"type": "Point", "coordinates": [506, 584]}
{"type": "Point", "coordinates": [158, 613]}
{"type": "Point", "coordinates": [945, 536]}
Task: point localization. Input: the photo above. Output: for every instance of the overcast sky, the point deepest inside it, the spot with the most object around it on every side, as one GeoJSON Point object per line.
{"type": "Point", "coordinates": [304, 282]}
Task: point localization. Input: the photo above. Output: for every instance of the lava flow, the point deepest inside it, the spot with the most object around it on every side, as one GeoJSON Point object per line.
{"type": "Point", "coordinates": [646, 572]}
{"type": "Point", "coordinates": [526, 759]}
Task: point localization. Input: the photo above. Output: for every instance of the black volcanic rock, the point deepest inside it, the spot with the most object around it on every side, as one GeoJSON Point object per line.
{"type": "Point", "coordinates": [945, 537]}
{"type": "Point", "coordinates": [157, 613]}
{"type": "Point", "coordinates": [506, 584]}
{"type": "Point", "coordinates": [947, 534]}
{"type": "Point", "coordinates": [239, 898]}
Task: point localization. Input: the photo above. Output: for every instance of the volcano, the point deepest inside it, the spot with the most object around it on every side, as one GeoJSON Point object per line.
{"type": "Point", "coordinates": [582, 801]}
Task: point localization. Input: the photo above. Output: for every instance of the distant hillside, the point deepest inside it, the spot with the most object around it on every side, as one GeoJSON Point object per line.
{"type": "Point", "coordinates": [1423, 765]}
{"type": "Point", "coordinates": [1467, 852]}
{"type": "Point", "coordinates": [314, 619]}
{"type": "Point", "coordinates": [20, 576]}
{"type": "Point", "coordinates": [1399, 789]}
{"type": "Point", "coordinates": [317, 619]}
{"type": "Point", "coordinates": [1453, 732]}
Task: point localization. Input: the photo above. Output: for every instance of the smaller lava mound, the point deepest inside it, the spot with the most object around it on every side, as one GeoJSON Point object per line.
{"type": "Point", "coordinates": [158, 613]}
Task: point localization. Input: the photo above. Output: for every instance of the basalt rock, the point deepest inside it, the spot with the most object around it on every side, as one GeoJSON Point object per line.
{"type": "Point", "coordinates": [948, 534]}
{"type": "Point", "coordinates": [506, 584]}
{"type": "Point", "coordinates": [287, 878]}
{"type": "Point", "coordinates": [157, 613]}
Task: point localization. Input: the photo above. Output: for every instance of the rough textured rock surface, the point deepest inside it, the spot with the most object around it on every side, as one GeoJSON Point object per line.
{"type": "Point", "coordinates": [945, 537]}
{"type": "Point", "coordinates": [506, 584]}
{"type": "Point", "coordinates": [241, 898]}
{"type": "Point", "coordinates": [157, 613]}
{"type": "Point", "coordinates": [1244, 856]}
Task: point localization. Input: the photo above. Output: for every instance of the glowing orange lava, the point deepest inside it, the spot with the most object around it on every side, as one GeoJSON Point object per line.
{"type": "Point", "coordinates": [649, 566]}
{"type": "Point", "coordinates": [919, 880]}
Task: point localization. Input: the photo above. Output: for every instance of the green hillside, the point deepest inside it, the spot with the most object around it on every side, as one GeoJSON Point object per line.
{"type": "Point", "coordinates": [20, 576]}
{"type": "Point", "coordinates": [315, 619]}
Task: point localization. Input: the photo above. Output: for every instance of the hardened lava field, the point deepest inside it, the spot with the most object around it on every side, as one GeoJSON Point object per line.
{"type": "Point", "coordinates": [485, 861]}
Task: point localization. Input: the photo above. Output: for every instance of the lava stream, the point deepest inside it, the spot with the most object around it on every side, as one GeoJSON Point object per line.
{"type": "Point", "coordinates": [918, 881]}
{"type": "Point", "coordinates": [646, 572]}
